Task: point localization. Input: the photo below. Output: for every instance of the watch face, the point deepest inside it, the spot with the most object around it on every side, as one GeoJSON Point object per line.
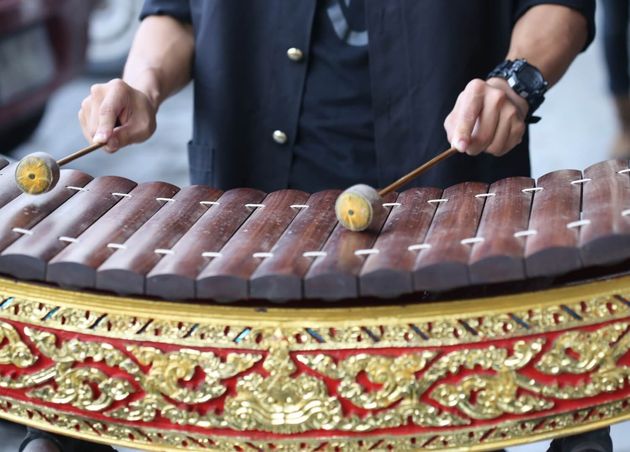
{"type": "Point", "coordinates": [531, 78]}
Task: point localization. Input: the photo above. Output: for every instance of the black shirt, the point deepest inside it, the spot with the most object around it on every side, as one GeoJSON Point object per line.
{"type": "Point", "coordinates": [335, 138]}
{"type": "Point", "coordinates": [422, 53]}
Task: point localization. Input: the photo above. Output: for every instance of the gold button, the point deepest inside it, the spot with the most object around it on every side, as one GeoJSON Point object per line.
{"type": "Point", "coordinates": [279, 137]}
{"type": "Point", "coordinates": [295, 54]}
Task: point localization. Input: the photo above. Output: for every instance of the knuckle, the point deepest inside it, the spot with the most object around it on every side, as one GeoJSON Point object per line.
{"type": "Point", "coordinates": [144, 125]}
{"type": "Point", "coordinates": [511, 113]}
{"type": "Point", "coordinates": [498, 96]}
{"type": "Point", "coordinates": [117, 84]}
{"type": "Point", "coordinates": [448, 121]}
{"type": "Point", "coordinates": [96, 89]}
{"type": "Point", "coordinates": [519, 130]}
{"type": "Point", "coordinates": [494, 149]}
{"type": "Point", "coordinates": [476, 86]}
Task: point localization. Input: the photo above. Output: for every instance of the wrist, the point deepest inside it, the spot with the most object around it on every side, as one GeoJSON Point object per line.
{"type": "Point", "coordinates": [520, 103]}
{"type": "Point", "coordinates": [147, 83]}
{"type": "Point", "coordinates": [526, 81]}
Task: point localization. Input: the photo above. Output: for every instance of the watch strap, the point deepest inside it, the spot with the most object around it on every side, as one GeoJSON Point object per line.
{"type": "Point", "coordinates": [509, 70]}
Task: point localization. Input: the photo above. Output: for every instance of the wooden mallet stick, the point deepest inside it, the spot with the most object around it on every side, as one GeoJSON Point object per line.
{"type": "Point", "coordinates": [38, 173]}
{"type": "Point", "coordinates": [355, 207]}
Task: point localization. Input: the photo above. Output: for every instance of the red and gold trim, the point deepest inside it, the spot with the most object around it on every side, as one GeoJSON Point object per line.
{"type": "Point", "coordinates": [477, 375]}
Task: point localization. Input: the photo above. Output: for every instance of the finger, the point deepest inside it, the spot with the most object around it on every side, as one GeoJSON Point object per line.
{"type": "Point", "coordinates": [113, 104]}
{"type": "Point", "coordinates": [500, 142]}
{"type": "Point", "coordinates": [121, 136]}
{"type": "Point", "coordinates": [468, 108]}
{"type": "Point", "coordinates": [92, 122]}
{"type": "Point", "coordinates": [517, 131]}
{"type": "Point", "coordinates": [448, 127]}
{"type": "Point", "coordinates": [136, 131]}
{"type": "Point", "coordinates": [485, 128]}
{"type": "Point", "coordinates": [84, 119]}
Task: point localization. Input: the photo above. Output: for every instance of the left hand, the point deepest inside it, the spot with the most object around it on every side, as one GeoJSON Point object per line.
{"type": "Point", "coordinates": [488, 117]}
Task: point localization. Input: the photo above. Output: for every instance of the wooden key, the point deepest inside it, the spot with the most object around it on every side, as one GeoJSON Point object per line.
{"type": "Point", "coordinates": [226, 278]}
{"type": "Point", "coordinates": [8, 188]}
{"type": "Point", "coordinates": [551, 249]}
{"type": "Point", "coordinates": [27, 257]}
{"type": "Point", "coordinates": [334, 275]}
{"type": "Point", "coordinates": [388, 273]}
{"type": "Point", "coordinates": [174, 275]}
{"type": "Point", "coordinates": [24, 212]}
{"type": "Point", "coordinates": [443, 264]}
{"type": "Point", "coordinates": [605, 238]}
{"type": "Point", "coordinates": [499, 257]}
{"type": "Point", "coordinates": [124, 272]}
{"type": "Point", "coordinates": [279, 277]}
{"type": "Point", "coordinates": [76, 265]}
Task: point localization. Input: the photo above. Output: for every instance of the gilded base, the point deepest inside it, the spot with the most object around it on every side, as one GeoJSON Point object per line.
{"type": "Point", "coordinates": [464, 375]}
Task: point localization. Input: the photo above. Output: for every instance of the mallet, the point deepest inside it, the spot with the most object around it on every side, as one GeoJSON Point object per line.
{"type": "Point", "coordinates": [355, 207]}
{"type": "Point", "coordinates": [38, 173]}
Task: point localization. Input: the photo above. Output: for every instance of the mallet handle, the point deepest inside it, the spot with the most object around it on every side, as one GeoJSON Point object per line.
{"type": "Point", "coordinates": [79, 153]}
{"type": "Point", "coordinates": [415, 173]}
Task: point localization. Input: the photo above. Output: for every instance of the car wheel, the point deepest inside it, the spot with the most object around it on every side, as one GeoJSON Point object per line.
{"type": "Point", "coordinates": [112, 27]}
{"type": "Point", "coordinates": [20, 132]}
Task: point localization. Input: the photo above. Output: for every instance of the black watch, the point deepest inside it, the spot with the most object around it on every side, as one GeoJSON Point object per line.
{"type": "Point", "coordinates": [526, 80]}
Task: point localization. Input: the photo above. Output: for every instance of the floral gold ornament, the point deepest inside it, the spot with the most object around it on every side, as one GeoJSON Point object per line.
{"type": "Point", "coordinates": [475, 374]}
{"type": "Point", "coordinates": [282, 402]}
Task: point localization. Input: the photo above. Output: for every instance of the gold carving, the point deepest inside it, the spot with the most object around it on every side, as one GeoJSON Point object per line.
{"type": "Point", "coordinates": [392, 365]}
{"type": "Point", "coordinates": [575, 352]}
{"type": "Point", "coordinates": [74, 385]}
{"type": "Point", "coordinates": [494, 394]}
{"type": "Point", "coordinates": [14, 351]}
{"type": "Point", "coordinates": [243, 328]}
{"type": "Point", "coordinates": [281, 402]}
{"type": "Point", "coordinates": [163, 383]}
{"type": "Point", "coordinates": [396, 375]}
{"type": "Point", "coordinates": [509, 433]}
{"type": "Point", "coordinates": [600, 349]}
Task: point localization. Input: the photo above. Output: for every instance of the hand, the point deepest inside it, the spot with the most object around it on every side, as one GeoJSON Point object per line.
{"type": "Point", "coordinates": [488, 117]}
{"type": "Point", "coordinates": [114, 102]}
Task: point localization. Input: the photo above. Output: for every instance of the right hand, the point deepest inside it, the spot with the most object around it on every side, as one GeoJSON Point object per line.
{"type": "Point", "coordinates": [117, 102]}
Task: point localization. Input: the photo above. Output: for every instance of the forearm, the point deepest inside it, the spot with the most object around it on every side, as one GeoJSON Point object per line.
{"type": "Point", "coordinates": [549, 37]}
{"type": "Point", "coordinates": [160, 60]}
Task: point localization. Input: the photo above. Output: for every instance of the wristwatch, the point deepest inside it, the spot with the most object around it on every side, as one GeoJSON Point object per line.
{"type": "Point", "coordinates": [526, 80]}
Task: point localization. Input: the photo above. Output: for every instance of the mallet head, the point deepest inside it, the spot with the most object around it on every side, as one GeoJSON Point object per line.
{"type": "Point", "coordinates": [37, 173]}
{"type": "Point", "coordinates": [355, 207]}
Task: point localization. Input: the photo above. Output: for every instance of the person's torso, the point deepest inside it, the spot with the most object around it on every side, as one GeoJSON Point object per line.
{"type": "Point", "coordinates": [249, 93]}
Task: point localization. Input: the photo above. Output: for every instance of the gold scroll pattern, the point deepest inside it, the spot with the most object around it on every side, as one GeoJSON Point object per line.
{"type": "Point", "coordinates": [438, 332]}
{"type": "Point", "coordinates": [506, 434]}
{"type": "Point", "coordinates": [282, 398]}
{"type": "Point", "coordinates": [73, 379]}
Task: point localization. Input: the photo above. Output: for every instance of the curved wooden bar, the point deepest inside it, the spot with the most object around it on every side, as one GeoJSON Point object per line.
{"type": "Point", "coordinates": [476, 374]}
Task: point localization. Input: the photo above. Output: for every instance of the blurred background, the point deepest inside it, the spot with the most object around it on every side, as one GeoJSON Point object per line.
{"type": "Point", "coordinates": [52, 51]}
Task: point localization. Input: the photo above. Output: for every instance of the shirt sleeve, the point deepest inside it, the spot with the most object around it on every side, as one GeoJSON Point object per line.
{"type": "Point", "coordinates": [178, 9]}
{"type": "Point", "coordinates": [586, 7]}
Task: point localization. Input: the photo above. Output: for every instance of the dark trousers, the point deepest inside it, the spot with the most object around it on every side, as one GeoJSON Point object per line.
{"type": "Point", "coordinates": [615, 32]}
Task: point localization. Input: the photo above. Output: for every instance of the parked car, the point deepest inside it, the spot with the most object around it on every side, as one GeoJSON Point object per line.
{"type": "Point", "coordinates": [42, 45]}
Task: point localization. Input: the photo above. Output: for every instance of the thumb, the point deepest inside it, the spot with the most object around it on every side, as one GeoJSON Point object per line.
{"type": "Point", "coordinates": [111, 107]}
